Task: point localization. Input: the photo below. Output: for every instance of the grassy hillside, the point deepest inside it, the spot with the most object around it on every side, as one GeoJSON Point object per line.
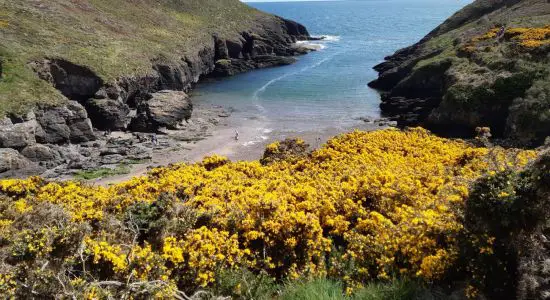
{"type": "Point", "coordinates": [112, 38]}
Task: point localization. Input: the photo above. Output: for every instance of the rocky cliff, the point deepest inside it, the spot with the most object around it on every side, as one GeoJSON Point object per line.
{"type": "Point", "coordinates": [120, 65]}
{"type": "Point", "coordinates": [487, 65]}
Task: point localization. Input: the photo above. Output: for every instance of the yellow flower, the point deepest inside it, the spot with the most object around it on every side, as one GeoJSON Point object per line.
{"type": "Point", "coordinates": [387, 200]}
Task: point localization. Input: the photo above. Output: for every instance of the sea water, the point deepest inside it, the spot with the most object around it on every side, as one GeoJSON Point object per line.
{"type": "Point", "coordinates": [327, 88]}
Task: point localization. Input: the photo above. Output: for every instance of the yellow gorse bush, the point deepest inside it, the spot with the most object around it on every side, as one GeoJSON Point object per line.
{"type": "Point", "coordinates": [528, 38]}
{"type": "Point", "coordinates": [386, 202]}
{"type": "Point", "coordinates": [532, 37]}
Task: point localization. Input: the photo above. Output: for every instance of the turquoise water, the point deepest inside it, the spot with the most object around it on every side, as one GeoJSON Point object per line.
{"type": "Point", "coordinates": [328, 88]}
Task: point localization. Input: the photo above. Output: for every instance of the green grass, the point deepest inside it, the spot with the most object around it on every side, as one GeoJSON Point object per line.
{"type": "Point", "coordinates": [137, 161]}
{"type": "Point", "coordinates": [244, 284]}
{"type": "Point", "coordinates": [396, 290]}
{"type": "Point", "coordinates": [121, 169]}
{"type": "Point", "coordinates": [113, 38]}
{"type": "Point", "coordinates": [320, 289]}
{"type": "Point", "coordinates": [261, 287]}
{"type": "Point", "coordinates": [326, 289]}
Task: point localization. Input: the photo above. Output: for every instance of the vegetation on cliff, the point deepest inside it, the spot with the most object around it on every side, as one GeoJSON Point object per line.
{"type": "Point", "coordinates": [487, 65]}
{"type": "Point", "coordinates": [365, 207]}
{"type": "Point", "coordinates": [113, 39]}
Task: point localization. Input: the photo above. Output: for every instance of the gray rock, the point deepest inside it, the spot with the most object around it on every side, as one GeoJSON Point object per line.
{"type": "Point", "coordinates": [45, 156]}
{"type": "Point", "coordinates": [11, 160]}
{"type": "Point", "coordinates": [235, 48]}
{"type": "Point", "coordinates": [18, 136]}
{"type": "Point", "coordinates": [112, 159]}
{"type": "Point", "coordinates": [139, 152]}
{"type": "Point", "coordinates": [86, 152]}
{"type": "Point", "coordinates": [108, 114]}
{"type": "Point", "coordinates": [65, 123]}
{"type": "Point", "coordinates": [70, 153]}
{"type": "Point", "coordinates": [164, 109]}
{"type": "Point", "coordinates": [5, 122]}
{"type": "Point", "coordinates": [54, 127]}
{"type": "Point", "coordinates": [112, 151]}
{"type": "Point", "coordinates": [39, 153]}
{"type": "Point", "coordinates": [81, 131]}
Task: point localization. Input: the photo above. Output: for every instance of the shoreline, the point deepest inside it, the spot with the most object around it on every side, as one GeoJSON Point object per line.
{"type": "Point", "coordinates": [220, 140]}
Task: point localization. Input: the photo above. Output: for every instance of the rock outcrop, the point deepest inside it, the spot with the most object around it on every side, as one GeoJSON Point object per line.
{"type": "Point", "coordinates": [12, 161]}
{"type": "Point", "coordinates": [164, 109]}
{"type": "Point", "coordinates": [109, 105]}
{"type": "Point", "coordinates": [63, 124]}
{"type": "Point", "coordinates": [143, 101]}
{"type": "Point", "coordinates": [18, 136]}
{"type": "Point", "coordinates": [480, 68]}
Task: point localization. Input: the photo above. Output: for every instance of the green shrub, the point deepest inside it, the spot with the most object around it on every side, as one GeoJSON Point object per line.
{"type": "Point", "coordinates": [121, 169]}
{"type": "Point", "coordinates": [243, 284]}
{"type": "Point", "coordinates": [504, 217]}
{"type": "Point", "coordinates": [321, 289]}
{"type": "Point", "coordinates": [397, 290]}
{"type": "Point", "coordinates": [326, 289]}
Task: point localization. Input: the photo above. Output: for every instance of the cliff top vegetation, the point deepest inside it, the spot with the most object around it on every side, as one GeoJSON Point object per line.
{"type": "Point", "coordinates": [112, 38]}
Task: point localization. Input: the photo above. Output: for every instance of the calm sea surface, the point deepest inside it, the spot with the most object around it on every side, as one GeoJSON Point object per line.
{"type": "Point", "coordinates": [328, 88]}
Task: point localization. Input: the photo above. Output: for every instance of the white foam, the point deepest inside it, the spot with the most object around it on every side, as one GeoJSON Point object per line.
{"type": "Point", "coordinates": [261, 90]}
{"type": "Point", "coordinates": [267, 130]}
{"type": "Point", "coordinates": [249, 143]}
{"type": "Point", "coordinates": [311, 45]}
{"type": "Point", "coordinates": [331, 38]}
{"type": "Point", "coordinates": [327, 38]}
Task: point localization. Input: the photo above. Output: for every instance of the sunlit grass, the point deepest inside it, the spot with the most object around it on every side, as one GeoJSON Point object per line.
{"type": "Point", "coordinates": [112, 38]}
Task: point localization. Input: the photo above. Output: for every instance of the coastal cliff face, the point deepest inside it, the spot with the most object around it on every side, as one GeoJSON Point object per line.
{"type": "Point", "coordinates": [111, 65]}
{"type": "Point", "coordinates": [487, 65]}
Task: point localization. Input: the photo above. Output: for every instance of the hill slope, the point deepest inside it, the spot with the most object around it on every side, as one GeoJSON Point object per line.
{"type": "Point", "coordinates": [84, 46]}
{"type": "Point", "coordinates": [466, 73]}
{"type": "Point", "coordinates": [68, 67]}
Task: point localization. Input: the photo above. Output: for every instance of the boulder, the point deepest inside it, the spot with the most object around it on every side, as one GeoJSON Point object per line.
{"type": "Point", "coordinates": [43, 155]}
{"type": "Point", "coordinates": [112, 159]}
{"type": "Point", "coordinates": [80, 125]}
{"type": "Point", "coordinates": [55, 128]}
{"type": "Point", "coordinates": [11, 160]}
{"type": "Point", "coordinates": [69, 154]}
{"type": "Point", "coordinates": [235, 48]}
{"type": "Point", "coordinates": [139, 152]}
{"type": "Point", "coordinates": [264, 61]}
{"type": "Point", "coordinates": [81, 131]}
{"type": "Point", "coordinates": [38, 153]}
{"type": "Point", "coordinates": [230, 67]}
{"type": "Point", "coordinates": [65, 123]}
{"type": "Point", "coordinates": [5, 121]}
{"type": "Point", "coordinates": [108, 114]}
{"type": "Point", "coordinates": [164, 109]}
{"type": "Point", "coordinates": [18, 136]}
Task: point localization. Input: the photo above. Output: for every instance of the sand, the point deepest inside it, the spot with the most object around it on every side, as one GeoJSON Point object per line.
{"type": "Point", "coordinates": [221, 141]}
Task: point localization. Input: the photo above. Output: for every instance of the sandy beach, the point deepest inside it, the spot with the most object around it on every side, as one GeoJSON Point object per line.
{"type": "Point", "coordinates": [253, 138]}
